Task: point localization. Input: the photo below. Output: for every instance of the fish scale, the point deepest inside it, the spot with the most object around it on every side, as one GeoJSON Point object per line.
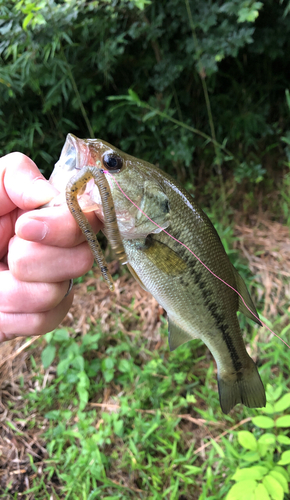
{"type": "Point", "coordinates": [198, 305]}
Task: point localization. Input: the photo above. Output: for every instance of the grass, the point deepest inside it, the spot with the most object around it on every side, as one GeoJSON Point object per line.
{"type": "Point", "coordinates": [121, 425]}
{"type": "Point", "coordinates": [103, 410]}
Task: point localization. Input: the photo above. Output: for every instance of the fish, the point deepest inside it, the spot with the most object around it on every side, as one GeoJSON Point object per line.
{"type": "Point", "coordinates": [92, 175]}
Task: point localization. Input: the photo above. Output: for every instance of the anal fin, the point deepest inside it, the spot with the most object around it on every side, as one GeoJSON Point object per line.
{"type": "Point", "coordinates": [176, 335]}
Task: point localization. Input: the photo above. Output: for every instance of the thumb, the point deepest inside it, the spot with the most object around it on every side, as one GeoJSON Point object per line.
{"type": "Point", "coordinates": [22, 184]}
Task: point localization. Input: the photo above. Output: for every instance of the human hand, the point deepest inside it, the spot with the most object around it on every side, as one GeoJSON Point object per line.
{"type": "Point", "coordinates": [40, 251]}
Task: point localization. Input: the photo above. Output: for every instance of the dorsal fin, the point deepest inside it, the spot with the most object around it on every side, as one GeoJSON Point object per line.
{"type": "Point", "coordinates": [242, 289]}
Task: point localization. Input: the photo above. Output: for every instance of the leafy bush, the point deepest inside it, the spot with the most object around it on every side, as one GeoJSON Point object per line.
{"type": "Point", "coordinates": [217, 67]}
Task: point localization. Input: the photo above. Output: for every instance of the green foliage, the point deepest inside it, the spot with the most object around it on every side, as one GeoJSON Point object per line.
{"type": "Point", "coordinates": [213, 67]}
{"type": "Point", "coordinates": [139, 434]}
{"type": "Point", "coordinates": [84, 445]}
{"type": "Point", "coordinates": [268, 476]}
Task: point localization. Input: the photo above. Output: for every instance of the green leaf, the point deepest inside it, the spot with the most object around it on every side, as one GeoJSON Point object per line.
{"type": "Point", "coordinates": [283, 403]}
{"type": "Point", "coordinates": [141, 3]}
{"type": "Point", "coordinates": [118, 427]}
{"type": "Point", "coordinates": [52, 415]}
{"type": "Point", "coordinates": [190, 398]}
{"type": "Point", "coordinates": [63, 366]}
{"type": "Point", "coordinates": [285, 458]}
{"type": "Point", "coordinates": [281, 480]}
{"type": "Point", "coordinates": [153, 428]}
{"type": "Point", "coordinates": [263, 422]}
{"type": "Point", "coordinates": [283, 439]}
{"type": "Point", "coordinates": [48, 355]}
{"type": "Point", "coordinates": [251, 456]}
{"type": "Point", "coordinates": [133, 96]}
{"type": "Point", "coordinates": [282, 471]}
{"type": "Point", "coordinates": [269, 408]}
{"type": "Point", "coordinates": [242, 490]}
{"type": "Point", "coordinates": [247, 440]}
{"type": "Point", "coordinates": [83, 395]}
{"type": "Point", "coordinates": [48, 336]}
{"type": "Point", "coordinates": [149, 115]}
{"type": "Point", "coordinates": [273, 487]}
{"type": "Point", "coordinates": [84, 380]}
{"type": "Point", "coordinates": [60, 335]}
{"type": "Point", "coordinates": [78, 363]}
{"type": "Point", "coordinates": [73, 433]}
{"type": "Point", "coordinates": [27, 20]}
{"type": "Point", "coordinates": [218, 448]}
{"type": "Point", "coordinates": [192, 469]}
{"type": "Point", "coordinates": [273, 394]}
{"type": "Point", "coordinates": [256, 472]}
{"type": "Point", "coordinates": [109, 375]}
{"type": "Point", "coordinates": [38, 19]}
{"type": "Point", "coordinates": [283, 421]}
{"type": "Point", "coordinates": [249, 13]}
{"type": "Point", "coordinates": [125, 366]}
{"type": "Point", "coordinates": [108, 363]}
{"type": "Point", "coordinates": [261, 493]}
{"type": "Point", "coordinates": [267, 439]}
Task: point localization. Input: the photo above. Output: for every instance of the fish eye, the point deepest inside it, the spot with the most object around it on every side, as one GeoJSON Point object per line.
{"type": "Point", "coordinates": [112, 162]}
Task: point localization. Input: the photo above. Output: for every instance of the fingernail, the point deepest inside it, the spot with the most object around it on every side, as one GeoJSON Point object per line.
{"type": "Point", "coordinates": [32, 230]}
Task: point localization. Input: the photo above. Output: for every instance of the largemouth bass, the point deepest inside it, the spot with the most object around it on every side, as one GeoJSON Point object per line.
{"type": "Point", "coordinates": [198, 305]}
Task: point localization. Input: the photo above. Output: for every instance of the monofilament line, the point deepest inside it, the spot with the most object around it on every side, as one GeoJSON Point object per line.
{"type": "Point", "coordinates": [187, 248]}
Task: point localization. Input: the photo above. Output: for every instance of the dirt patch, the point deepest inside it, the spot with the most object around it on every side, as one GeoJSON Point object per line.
{"type": "Point", "coordinates": [266, 246]}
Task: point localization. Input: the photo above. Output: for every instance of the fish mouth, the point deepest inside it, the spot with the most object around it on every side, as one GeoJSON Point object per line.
{"type": "Point", "coordinates": [75, 155]}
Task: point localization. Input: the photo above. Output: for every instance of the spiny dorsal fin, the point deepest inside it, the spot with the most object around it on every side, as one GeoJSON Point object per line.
{"type": "Point", "coordinates": [176, 336]}
{"type": "Point", "coordinates": [242, 289]}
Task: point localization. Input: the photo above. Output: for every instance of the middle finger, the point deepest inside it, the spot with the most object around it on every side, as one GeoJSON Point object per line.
{"type": "Point", "coordinates": [30, 261]}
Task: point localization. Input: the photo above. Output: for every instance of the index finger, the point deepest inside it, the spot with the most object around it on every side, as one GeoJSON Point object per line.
{"type": "Point", "coordinates": [22, 185]}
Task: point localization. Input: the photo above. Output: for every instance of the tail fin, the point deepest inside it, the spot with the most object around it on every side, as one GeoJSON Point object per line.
{"type": "Point", "coordinates": [246, 388]}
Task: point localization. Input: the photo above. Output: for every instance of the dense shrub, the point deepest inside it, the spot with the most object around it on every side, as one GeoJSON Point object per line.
{"type": "Point", "coordinates": [61, 60]}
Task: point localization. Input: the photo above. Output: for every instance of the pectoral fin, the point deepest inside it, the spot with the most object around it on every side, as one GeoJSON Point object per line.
{"type": "Point", "coordinates": [176, 336]}
{"type": "Point", "coordinates": [165, 259]}
{"type": "Point", "coordinates": [242, 289]}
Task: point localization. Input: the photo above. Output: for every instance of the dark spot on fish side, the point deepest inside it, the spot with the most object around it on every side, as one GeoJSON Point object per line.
{"type": "Point", "coordinates": [228, 340]}
{"type": "Point", "coordinates": [218, 317]}
{"type": "Point", "coordinates": [166, 207]}
{"type": "Point", "coordinates": [183, 282]}
{"type": "Point", "coordinates": [206, 293]}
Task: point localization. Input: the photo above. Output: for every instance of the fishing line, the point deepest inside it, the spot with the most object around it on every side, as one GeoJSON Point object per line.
{"type": "Point", "coordinates": [204, 265]}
